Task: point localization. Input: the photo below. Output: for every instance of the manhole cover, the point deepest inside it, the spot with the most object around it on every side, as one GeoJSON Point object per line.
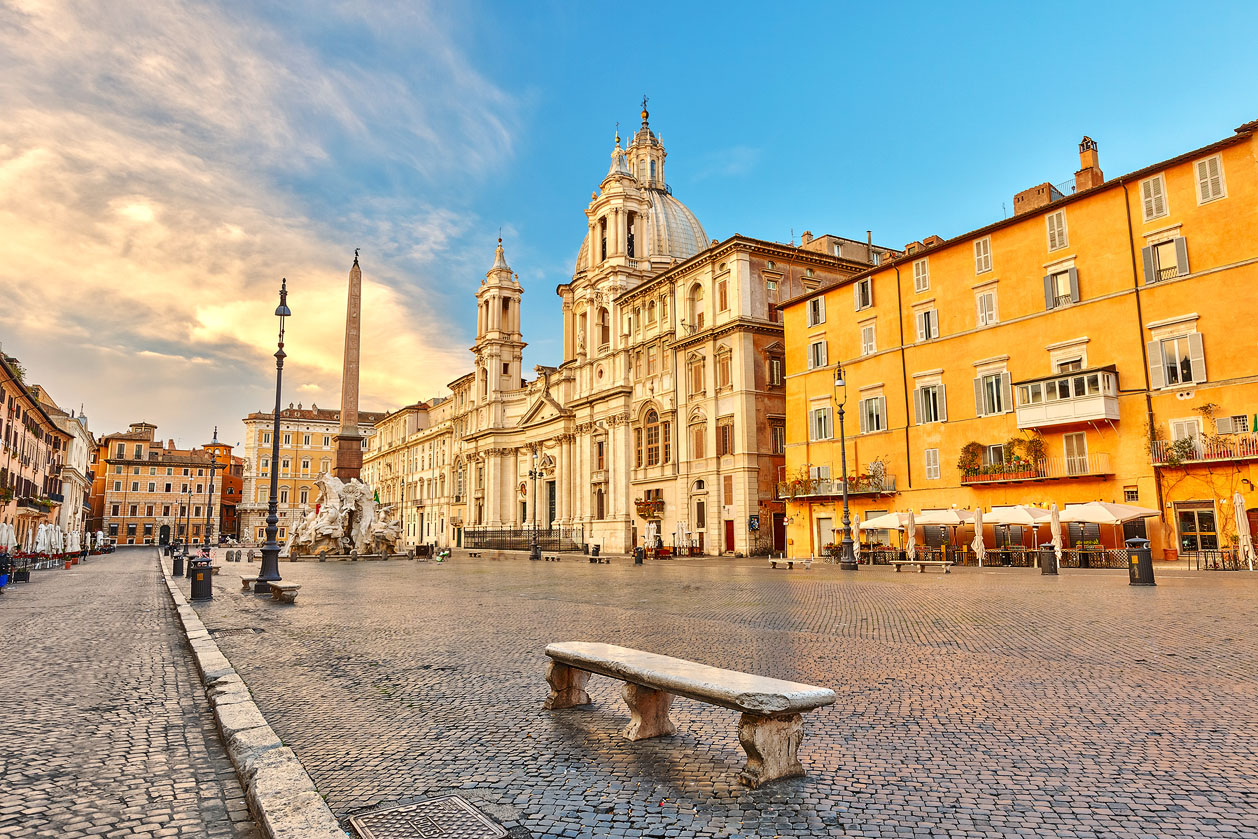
{"type": "Point", "coordinates": [446, 817]}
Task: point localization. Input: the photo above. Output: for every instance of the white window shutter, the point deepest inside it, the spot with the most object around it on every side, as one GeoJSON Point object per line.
{"type": "Point", "coordinates": [821, 306]}
{"type": "Point", "coordinates": [861, 410]}
{"type": "Point", "coordinates": [1157, 373]}
{"type": "Point", "coordinates": [825, 354]}
{"type": "Point", "coordinates": [917, 405]}
{"type": "Point", "coordinates": [1197, 357]}
{"type": "Point", "coordinates": [1006, 391]}
{"type": "Point", "coordinates": [942, 394]}
{"type": "Point", "coordinates": [1181, 254]}
{"type": "Point", "coordinates": [1146, 196]}
{"type": "Point", "coordinates": [978, 397]}
{"type": "Point", "coordinates": [934, 323]}
{"type": "Point", "coordinates": [921, 335]}
{"type": "Point", "coordinates": [856, 296]}
{"type": "Point", "coordinates": [1159, 197]}
{"type": "Point", "coordinates": [1150, 270]}
{"type": "Point", "coordinates": [882, 413]}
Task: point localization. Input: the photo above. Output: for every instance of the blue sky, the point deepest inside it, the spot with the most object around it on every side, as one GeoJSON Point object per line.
{"type": "Point", "coordinates": [161, 167]}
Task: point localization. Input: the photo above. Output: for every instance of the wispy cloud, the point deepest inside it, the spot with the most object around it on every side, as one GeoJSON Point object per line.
{"type": "Point", "coordinates": [727, 162]}
{"type": "Point", "coordinates": [163, 164]}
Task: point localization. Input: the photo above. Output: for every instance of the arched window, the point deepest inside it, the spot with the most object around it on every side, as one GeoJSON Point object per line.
{"type": "Point", "coordinates": [602, 227]}
{"type": "Point", "coordinates": [699, 486]}
{"type": "Point", "coordinates": [604, 328]}
{"type": "Point", "coordinates": [652, 170]}
{"type": "Point", "coordinates": [650, 312]}
{"type": "Point", "coordinates": [654, 445]}
{"type": "Point", "coordinates": [696, 306]}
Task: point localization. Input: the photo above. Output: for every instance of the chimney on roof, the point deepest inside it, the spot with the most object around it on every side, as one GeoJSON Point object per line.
{"type": "Point", "coordinates": [805, 238]}
{"type": "Point", "coordinates": [1035, 197]}
{"type": "Point", "coordinates": [170, 444]}
{"type": "Point", "coordinates": [1089, 174]}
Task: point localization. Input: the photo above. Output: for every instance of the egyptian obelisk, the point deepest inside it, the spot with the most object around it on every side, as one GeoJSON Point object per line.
{"type": "Point", "coordinates": [349, 446]}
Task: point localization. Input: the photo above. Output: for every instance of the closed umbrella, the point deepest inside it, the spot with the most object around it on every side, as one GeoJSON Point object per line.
{"type": "Point", "coordinates": [1054, 528]}
{"type": "Point", "coordinates": [980, 550]}
{"type": "Point", "coordinates": [856, 537]}
{"type": "Point", "coordinates": [910, 537]}
{"type": "Point", "coordinates": [1243, 536]}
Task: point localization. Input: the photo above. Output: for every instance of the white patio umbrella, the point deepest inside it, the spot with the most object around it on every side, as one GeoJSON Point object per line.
{"type": "Point", "coordinates": [910, 537]}
{"type": "Point", "coordinates": [1244, 539]}
{"type": "Point", "coordinates": [8, 539]}
{"type": "Point", "coordinates": [1104, 512]}
{"type": "Point", "coordinates": [856, 537]}
{"type": "Point", "coordinates": [887, 521]}
{"type": "Point", "coordinates": [945, 518]}
{"type": "Point", "coordinates": [1054, 528]}
{"type": "Point", "coordinates": [100, 538]}
{"type": "Point", "coordinates": [980, 550]}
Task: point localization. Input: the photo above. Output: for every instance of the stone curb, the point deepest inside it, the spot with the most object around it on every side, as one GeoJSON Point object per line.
{"type": "Point", "coordinates": [282, 798]}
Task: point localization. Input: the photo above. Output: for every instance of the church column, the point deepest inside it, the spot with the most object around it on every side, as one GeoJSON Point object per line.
{"type": "Point", "coordinates": [618, 242]}
{"type": "Point", "coordinates": [594, 246]}
{"type": "Point", "coordinates": [565, 480]}
{"type": "Point", "coordinates": [491, 492]}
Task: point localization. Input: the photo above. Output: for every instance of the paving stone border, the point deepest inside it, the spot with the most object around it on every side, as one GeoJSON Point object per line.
{"type": "Point", "coordinates": [281, 795]}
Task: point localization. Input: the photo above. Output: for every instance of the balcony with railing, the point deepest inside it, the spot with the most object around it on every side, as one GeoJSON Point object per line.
{"type": "Point", "coordinates": [1220, 447]}
{"type": "Point", "coordinates": [1065, 398]}
{"type": "Point", "coordinates": [833, 487]}
{"type": "Point", "coordinates": [1046, 469]}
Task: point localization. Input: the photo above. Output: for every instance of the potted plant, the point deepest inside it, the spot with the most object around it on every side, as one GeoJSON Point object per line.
{"type": "Point", "coordinates": [1035, 450]}
{"type": "Point", "coordinates": [971, 459]}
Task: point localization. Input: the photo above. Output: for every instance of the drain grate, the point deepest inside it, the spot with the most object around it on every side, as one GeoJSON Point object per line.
{"type": "Point", "coordinates": [446, 817]}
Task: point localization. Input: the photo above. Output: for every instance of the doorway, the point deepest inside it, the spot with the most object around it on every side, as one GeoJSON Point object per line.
{"type": "Point", "coordinates": [1197, 528]}
{"type": "Point", "coordinates": [729, 535]}
{"type": "Point", "coordinates": [163, 535]}
{"type": "Point", "coordinates": [550, 504]}
{"type": "Point", "coordinates": [779, 532]}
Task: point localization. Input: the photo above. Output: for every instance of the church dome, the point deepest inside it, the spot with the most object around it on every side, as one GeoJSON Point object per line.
{"type": "Point", "coordinates": [674, 230]}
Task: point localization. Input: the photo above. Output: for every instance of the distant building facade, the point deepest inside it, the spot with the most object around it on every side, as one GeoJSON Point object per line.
{"type": "Point", "coordinates": [1093, 347]}
{"type": "Point", "coordinates": [307, 450]}
{"type": "Point", "coordinates": [34, 450]}
{"type": "Point", "coordinates": [667, 413]}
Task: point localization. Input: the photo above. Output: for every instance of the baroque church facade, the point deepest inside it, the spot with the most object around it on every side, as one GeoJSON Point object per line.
{"type": "Point", "coordinates": [664, 422]}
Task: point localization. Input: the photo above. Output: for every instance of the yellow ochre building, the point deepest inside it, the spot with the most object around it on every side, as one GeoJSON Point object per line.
{"type": "Point", "coordinates": [1096, 346]}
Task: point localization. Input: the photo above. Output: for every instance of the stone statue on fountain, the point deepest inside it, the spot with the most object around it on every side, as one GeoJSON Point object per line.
{"type": "Point", "coordinates": [346, 518]}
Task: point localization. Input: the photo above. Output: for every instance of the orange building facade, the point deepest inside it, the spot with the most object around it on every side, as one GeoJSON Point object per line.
{"type": "Point", "coordinates": [1095, 346]}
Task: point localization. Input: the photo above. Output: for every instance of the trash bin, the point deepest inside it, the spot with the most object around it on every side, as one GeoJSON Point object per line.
{"type": "Point", "coordinates": [1139, 562]}
{"type": "Point", "coordinates": [638, 553]}
{"type": "Point", "coordinates": [595, 549]}
{"type": "Point", "coordinates": [201, 571]}
{"type": "Point", "coordinates": [1048, 560]}
{"type": "Point", "coordinates": [176, 567]}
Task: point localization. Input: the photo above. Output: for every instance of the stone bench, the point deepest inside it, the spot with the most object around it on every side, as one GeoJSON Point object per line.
{"type": "Point", "coordinates": [214, 569]}
{"type": "Point", "coordinates": [473, 554]}
{"type": "Point", "coordinates": [600, 560]}
{"type": "Point", "coordinates": [771, 727]}
{"type": "Point", "coordinates": [922, 563]}
{"type": "Point", "coordinates": [790, 563]}
{"type": "Point", "coordinates": [285, 592]}
{"type": "Point", "coordinates": [247, 583]}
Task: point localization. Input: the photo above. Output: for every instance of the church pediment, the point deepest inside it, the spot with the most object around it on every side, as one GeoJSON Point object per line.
{"type": "Point", "coordinates": [543, 409]}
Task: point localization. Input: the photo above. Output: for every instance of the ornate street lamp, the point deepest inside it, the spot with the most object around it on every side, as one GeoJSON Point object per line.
{"type": "Point", "coordinates": [270, 549]}
{"type": "Point", "coordinates": [535, 551]}
{"type": "Point", "coordinates": [847, 557]}
{"type": "Point", "coordinates": [209, 503]}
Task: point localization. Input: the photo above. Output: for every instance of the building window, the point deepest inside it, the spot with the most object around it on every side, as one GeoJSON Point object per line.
{"type": "Point", "coordinates": [1210, 184]}
{"type": "Point", "coordinates": [778, 430]}
{"type": "Point", "coordinates": [992, 394]}
{"type": "Point", "coordinates": [722, 295]}
{"type": "Point", "coordinates": [1153, 197]}
{"type": "Point", "coordinates": [723, 377]}
{"type": "Point", "coordinates": [637, 364]}
{"type": "Point", "coordinates": [1131, 495]}
{"type": "Point", "coordinates": [725, 436]}
{"type": "Point", "coordinates": [817, 356]}
{"type": "Point", "coordinates": [696, 307]}
{"type": "Point", "coordinates": [983, 255]}
{"type": "Point", "coordinates": [1056, 224]}
{"type": "Point", "coordinates": [650, 312]}
{"type": "Point", "coordinates": [304, 495]}
{"type": "Point", "coordinates": [819, 424]}
{"type": "Point", "coordinates": [775, 370]}
{"type": "Point", "coordinates": [1061, 288]}
{"type": "Point", "coordinates": [921, 275]}
{"type": "Point", "coordinates": [863, 291]}
{"type": "Point", "coordinates": [930, 404]}
{"type": "Point", "coordinates": [985, 303]}
{"type": "Point", "coordinates": [1165, 260]}
{"type": "Point", "coordinates": [122, 450]}
{"type": "Point", "coordinates": [165, 509]}
{"type": "Point", "coordinates": [696, 374]}
{"type": "Point", "coordinates": [927, 325]}
{"type": "Point", "coordinates": [117, 486]}
{"type": "Point", "coordinates": [327, 441]}
{"type": "Point", "coordinates": [135, 486]}
{"type": "Point", "coordinates": [656, 439]}
{"type": "Point", "coordinates": [698, 439]}
{"type": "Point", "coordinates": [1076, 449]}
{"type": "Point", "coordinates": [869, 340]}
{"type": "Point", "coordinates": [931, 459]}
{"type": "Point", "coordinates": [816, 311]}
{"type": "Point", "coordinates": [115, 510]}
{"type": "Point", "coordinates": [873, 414]}
{"type": "Point", "coordinates": [152, 487]}
{"type": "Point", "coordinates": [1177, 361]}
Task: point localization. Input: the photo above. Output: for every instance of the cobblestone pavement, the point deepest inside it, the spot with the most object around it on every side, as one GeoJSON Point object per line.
{"type": "Point", "coordinates": [104, 726]}
{"type": "Point", "coordinates": [993, 702]}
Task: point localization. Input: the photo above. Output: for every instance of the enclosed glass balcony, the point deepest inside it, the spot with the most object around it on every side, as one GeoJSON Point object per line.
{"type": "Point", "coordinates": [1065, 398]}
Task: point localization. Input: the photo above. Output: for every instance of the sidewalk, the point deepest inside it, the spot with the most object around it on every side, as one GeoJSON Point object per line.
{"type": "Point", "coordinates": [104, 727]}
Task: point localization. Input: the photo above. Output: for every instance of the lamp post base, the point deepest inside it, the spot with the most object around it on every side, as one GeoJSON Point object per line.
{"type": "Point", "coordinates": [847, 561]}
{"type": "Point", "coordinates": [535, 553]}
{"type": "Point", "coordinates": [848, 565]}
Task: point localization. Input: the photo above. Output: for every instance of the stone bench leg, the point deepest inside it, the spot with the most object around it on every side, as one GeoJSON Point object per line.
{"type": "Point", "coordinates": [649, 712]}
{"type": "Point", "coordinates": [772, 747]}
{"type": "Point", "coordinates": [567, 686]}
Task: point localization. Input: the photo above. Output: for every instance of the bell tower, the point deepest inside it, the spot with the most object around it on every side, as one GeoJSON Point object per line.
{"type": "Point", "coordinates": [499, 345]}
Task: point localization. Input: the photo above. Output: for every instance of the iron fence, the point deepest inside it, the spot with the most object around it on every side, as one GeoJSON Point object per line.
{"type": "Point", "coordinates": [1226, 559]}
{"type": "Point", "coordinates": [521, 538]}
